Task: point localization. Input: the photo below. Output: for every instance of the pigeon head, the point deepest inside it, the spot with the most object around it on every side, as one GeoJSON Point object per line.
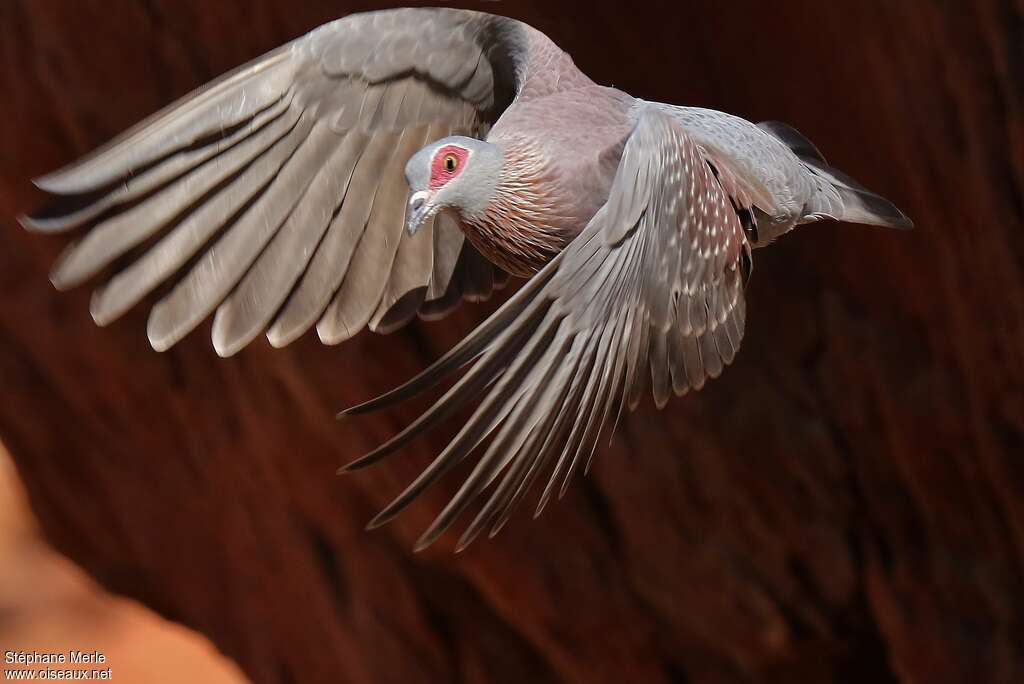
{"type": "Point", "coordinates": [454, 173]}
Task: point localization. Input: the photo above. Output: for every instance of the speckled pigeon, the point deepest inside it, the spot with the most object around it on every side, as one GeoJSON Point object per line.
{"type": "Point", "coordinates": [274, 198]}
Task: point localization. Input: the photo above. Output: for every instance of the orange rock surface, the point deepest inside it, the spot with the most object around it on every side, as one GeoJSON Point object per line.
{"type": "Point", "coordinates": [48, 605]}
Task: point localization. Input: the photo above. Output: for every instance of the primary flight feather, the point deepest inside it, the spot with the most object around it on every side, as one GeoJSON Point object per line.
{"type": "Point", "coordinates": [390, 164]}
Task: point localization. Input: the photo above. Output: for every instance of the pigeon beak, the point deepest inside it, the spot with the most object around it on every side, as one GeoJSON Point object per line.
{"type": "Point", "coordinates": [416, 211]}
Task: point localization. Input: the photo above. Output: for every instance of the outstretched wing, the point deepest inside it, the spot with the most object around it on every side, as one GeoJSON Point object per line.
{"type": "Point", "coordinates": [653, 284]}
{"type": "Point", "coordinates": [276, 194]}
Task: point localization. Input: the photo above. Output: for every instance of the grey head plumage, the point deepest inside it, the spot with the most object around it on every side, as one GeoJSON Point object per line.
{"type": "Point", "coordinates": [456, 173]}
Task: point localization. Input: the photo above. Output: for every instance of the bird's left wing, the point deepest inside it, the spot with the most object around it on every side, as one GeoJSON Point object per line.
{"type": "Point", "coordinates": [653, 284]}
{"type": "Point", "coordinates": [275, 195]}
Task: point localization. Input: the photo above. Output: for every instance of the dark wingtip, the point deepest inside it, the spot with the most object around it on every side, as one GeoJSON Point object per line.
{"type": "Point", "coordinates": [381, 519]}
{"type": "Point", "coordinates": [498, 527]}
{"type": "Point", "coordinates": [795, 140]}
{"type": "Point", "coordinates": [43, 224]}
{"type": "Point", "coordinates": [72, 179]}
{"type": "Point", "coordinates": [60, 213]}
{"type": "Point", "coordinates": [47, 183]}
{"type": "Point", "coordinates": [355, 465]}
{"type": "Point", "coordinates": [904, 223]}
{"type": "Point", "coordinates": [365, 407]}
{"type": "Point", "coordinates": [873, 209]}
{"type": "Point", "coordinates": [888, 212]}
{"type": "Point", "coordinates": [371, 457]}
{"type": "Point", "coordinates": [432, 534]}
{"type": "Point", "coordinates": [61, 182]}
{"type": "Point", "coordinates": [884, 209]}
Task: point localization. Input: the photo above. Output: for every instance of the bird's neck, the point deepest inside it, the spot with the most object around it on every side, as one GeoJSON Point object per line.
{"type": "Point", "coordinates": [521, 228]}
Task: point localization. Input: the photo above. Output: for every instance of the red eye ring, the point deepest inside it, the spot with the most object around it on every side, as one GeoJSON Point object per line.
{"type": "Point", "coordinates": [447, 163]}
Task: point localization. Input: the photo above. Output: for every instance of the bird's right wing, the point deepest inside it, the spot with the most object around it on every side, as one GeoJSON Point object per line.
{"type": "Point", "coordinates": [276, 195]}
{"type": "Point", "coordinates": [654, 284]}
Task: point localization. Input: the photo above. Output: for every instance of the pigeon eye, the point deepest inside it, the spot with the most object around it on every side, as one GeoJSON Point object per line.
{"type": "Point", "coordinates": [451, 162]}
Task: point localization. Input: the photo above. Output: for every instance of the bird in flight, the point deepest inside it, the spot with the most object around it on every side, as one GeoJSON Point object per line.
{"type": "Point", "coordinates": [389, 165]}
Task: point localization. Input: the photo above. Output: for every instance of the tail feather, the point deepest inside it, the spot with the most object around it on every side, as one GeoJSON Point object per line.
{"type": "Point", "coordinates": [794, 140]}
{"type": "Point", "coordinates": [841, 197]}
{"type": "Point", "coordinates": [858, 204]}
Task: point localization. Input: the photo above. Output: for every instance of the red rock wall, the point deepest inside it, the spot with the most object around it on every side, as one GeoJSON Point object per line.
{"type": "Point", "coordinates": [845, 504]}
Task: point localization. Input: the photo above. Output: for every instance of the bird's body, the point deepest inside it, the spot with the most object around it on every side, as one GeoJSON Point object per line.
{"type": "Point", "coordinates": [276, 196]}
{"type": "Point", "coordinates": [568, 167]}
{"type": "Point", "coordinates": [575, 130]}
